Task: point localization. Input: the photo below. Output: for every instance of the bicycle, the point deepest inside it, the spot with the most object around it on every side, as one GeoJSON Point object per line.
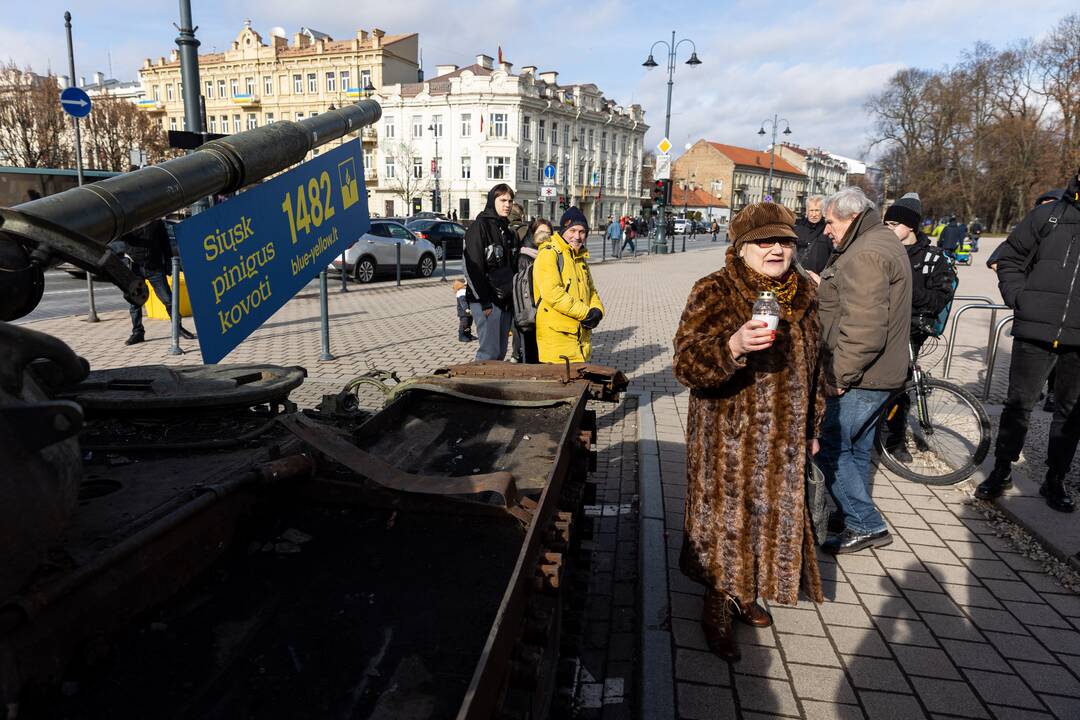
{"type": "Point", "coordinates": [946, 429]}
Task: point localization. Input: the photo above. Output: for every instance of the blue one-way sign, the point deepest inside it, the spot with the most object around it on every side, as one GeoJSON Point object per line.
{"type": "Point", "coordinates": [549, 171]}
{"type": "Point", "coordinates": [75, 102]}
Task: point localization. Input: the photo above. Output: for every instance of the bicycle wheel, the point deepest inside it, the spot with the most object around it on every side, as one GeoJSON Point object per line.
{"type": "Point", "coordinates": [945, 448]}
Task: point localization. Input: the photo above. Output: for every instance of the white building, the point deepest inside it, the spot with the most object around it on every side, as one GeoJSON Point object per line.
{"type": "Point", "coordinates": [483, 124]}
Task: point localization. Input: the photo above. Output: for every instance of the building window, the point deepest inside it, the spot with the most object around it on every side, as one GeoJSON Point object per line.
{"type": "Point", "coordinates": [391, 171]}
{"type": "Point", "coordinates": [541, 131]}
{"type": "Point", "coordinates": [225, 124]}
{"type": "Point", "coordinates": [369, 159]}
{"type": "Point", "coordinates": [157, 92]}
{"type": "Point", "coordinates": [466, 168]}
{"type": "Point", "coordinates": [498, 125]}
{"type": "Point", "coordinates": [466, 124]}
{"type": "Point", "coordinates": [252, 121]}
{"type": "Point", "coordinates": [331, 82]}
{"type": "Point", "coordinates": [389, 207]}
{"type": "Point", "coordinates": [249, 85]}
{"type": "Point", "coordinates": [236, 123]}
{"type": "Point", "coordinates": [299, 116]}
{"type": "Point", "coordinates": [172, 123]}
{"type": "Point", "coordinates": [592, 138]}
{"type": "Point", "coordinates": [235, 86]}
{"type": "Point", "coordinates": [312, 83]}
{"type": "Point", "coordinates": [418, 167]}
{"type": "Point", "coordinates": [603, 141]}
{"type": "Point", "coordinates": [213, 123]}
{"type": "Point", "coordinates": [344, 77]}
{"type": "Point", "coordinates": [525, 172]}
{"type": "Point", "coordinates": [298, 84]}
{"type": "Point", "coordinates": [209, 90]}
{"type": "Point", "coordinates": [417, 126]}
{"type": "Point", "coordinates": [566, 134]}
{"type": "Point", "coordinates": [554, 133]}
{"type": "Point", "coordinates": [497, 166]}
{"type": "Point", "coordinates": [268, 85]}
{"type": "Point", "coordinates": [436, 125]}
{"type": "Point", "coordinates": [269, 118]}
{"type": "Point", "coordinates": [365, 79]}
{"type": "Point", "coordinates": [388, 127]}
{"type": "Point", "coordinates": [526, 131]}
{"type": "Point", "coordinates": [169, 92]}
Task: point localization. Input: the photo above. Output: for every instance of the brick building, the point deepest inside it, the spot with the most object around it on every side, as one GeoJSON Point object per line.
{"type": "Point", "coordinates": [740, 175]}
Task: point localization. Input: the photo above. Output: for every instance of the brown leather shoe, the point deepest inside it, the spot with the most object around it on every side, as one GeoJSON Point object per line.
{"type": "Point", "coordinates": [716, 621]}
{"type": "Point", "coordinates": [754, 615]}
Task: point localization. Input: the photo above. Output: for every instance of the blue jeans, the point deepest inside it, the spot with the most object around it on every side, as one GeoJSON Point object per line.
{"type": "Point", "coordinates": [845, 459]}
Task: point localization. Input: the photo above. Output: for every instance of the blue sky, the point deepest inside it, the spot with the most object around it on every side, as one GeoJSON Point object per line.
{"type": "Point", "coordinates": [814, 61]}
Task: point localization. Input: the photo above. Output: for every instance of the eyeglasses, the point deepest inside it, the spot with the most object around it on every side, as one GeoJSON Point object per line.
{"type": "Point", "coordinates": [767, 243]}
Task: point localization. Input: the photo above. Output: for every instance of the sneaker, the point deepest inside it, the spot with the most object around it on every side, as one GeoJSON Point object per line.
{"type": "Point", "coordinates": [851, 541]}
{"type": "Point", "coordinates": [1049, 405]}
{"type": "Point", "coordinates": [899, 453]}
{"type": "Point", "coordinates": [186, 334]}
{"type": "Point", "coordinates": [993, 486]}
{"type": "Point", "coordinates": [135, 338]}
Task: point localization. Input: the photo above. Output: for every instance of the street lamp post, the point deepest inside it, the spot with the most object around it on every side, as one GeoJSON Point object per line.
{"type": "Point", "coordinates": [436, 200]}
{"type": "Point", "coordinates": [776, 120]}
{"type": "Point", "coordinates": [672, 48]}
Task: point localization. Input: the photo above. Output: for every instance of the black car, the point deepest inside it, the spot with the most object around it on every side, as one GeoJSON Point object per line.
{"type": "Point", "coordinates": [444, 235]}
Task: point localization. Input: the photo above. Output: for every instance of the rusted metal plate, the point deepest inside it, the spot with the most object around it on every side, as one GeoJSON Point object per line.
{"type": "Point", "coordinates": [149, 388]}
{"type": "Point", "coordinates": [603, 382]}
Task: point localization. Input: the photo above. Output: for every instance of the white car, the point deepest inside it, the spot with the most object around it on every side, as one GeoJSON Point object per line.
{"type": "Point", "coordinates": [682, 225]}
{"type": "Point", "coordinates": [375, 253]}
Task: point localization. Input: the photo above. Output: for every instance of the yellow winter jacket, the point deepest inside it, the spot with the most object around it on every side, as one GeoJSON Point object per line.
{"type": "Point", "coordinates": [563, 301]}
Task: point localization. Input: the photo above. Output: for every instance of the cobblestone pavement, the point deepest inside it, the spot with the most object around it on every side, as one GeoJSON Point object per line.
{"type": "Point", "coordinates": [949, 621]}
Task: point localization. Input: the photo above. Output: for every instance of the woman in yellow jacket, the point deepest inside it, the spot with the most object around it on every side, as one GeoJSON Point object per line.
{"type": "Point", "coordinates": [568, 306]}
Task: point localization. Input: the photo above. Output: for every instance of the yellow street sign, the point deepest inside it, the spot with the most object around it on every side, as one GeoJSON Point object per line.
{"type": "Point", "coordinates": [664, 145]}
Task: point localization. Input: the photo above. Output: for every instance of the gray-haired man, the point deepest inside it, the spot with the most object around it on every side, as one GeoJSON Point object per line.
{"type": "Point", "coordinates": [864, 305]}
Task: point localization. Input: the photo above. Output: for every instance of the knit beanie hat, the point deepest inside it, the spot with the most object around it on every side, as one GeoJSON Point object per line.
{"type": "Point", "coordinates": [906, 211]}
{"type": "Point", "coordinates": [573, 216]}
{"type": "Point", "coordinates": [760, 221]}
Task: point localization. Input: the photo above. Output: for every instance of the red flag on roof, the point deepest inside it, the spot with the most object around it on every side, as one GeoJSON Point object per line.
{"type": "Point", "coordinates": [500, 54]}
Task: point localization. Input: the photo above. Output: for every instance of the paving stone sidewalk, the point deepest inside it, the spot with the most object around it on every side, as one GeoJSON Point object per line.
{"type": "Point", "coordinates": [949, 621]}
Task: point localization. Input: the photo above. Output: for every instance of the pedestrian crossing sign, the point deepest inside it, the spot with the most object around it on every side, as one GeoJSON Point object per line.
{"type": "Point", "coordinates": [350, 192]}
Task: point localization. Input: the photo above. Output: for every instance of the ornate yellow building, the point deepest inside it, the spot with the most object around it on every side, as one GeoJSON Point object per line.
{"type": "Point", "coordinates": [254, 83]}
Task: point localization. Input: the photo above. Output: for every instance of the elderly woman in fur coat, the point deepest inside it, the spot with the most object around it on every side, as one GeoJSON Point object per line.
{"type": "Point", "coordinates": [756, 401]}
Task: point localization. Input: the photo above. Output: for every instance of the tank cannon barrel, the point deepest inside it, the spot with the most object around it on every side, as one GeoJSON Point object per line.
{"type": "Point", "coordinates": [107, 209]}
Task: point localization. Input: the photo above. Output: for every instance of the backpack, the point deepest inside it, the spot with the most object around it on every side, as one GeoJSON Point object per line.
{"type": "Point", "coordinates": [929, 264]}
{"type": "Point", "coordinates": [524, 302]}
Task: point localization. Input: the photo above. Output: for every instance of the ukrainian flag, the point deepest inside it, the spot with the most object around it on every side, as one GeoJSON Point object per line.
{"type": "Point", "coordinates": [148, 103]}
{"type": "Point", "coordinates": [353, 92]}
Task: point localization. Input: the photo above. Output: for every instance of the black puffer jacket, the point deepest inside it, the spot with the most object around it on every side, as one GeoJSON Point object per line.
{"type": "Point", "coordinates": [1044, 291]}
{"type": "Point", "coordinates": [814, 245]}
{"type": "Point", "coordinates": [933, 278]}
{"type": "Point", "coordinates": [490, 257]}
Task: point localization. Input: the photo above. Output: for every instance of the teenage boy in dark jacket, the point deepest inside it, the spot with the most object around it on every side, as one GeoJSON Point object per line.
{"type": "Point", "coordinates": [1038, 278]}
{"type": "Point", "coordinates": [490, 259]}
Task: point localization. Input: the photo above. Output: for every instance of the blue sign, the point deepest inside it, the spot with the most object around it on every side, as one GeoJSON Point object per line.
{"type": "Point", "coordinates": [246, 258]}
{"type": "Point", "coordinates": [549, 171]}
{"type": "Point", "coordinates": [75, 102]}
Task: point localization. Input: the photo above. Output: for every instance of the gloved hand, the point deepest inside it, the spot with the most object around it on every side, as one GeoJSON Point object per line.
{"type": "Point", "coordinates": [592, 319]}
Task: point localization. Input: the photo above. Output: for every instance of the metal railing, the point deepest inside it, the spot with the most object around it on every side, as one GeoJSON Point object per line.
{"type": "Point", "coordinates": [995, 333]}
{"type": "Point", "coordinates": [979, 303]}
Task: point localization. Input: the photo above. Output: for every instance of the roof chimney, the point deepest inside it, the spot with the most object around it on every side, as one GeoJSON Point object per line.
{"type": "Point", "coordinates": [361, 35]}
{"type": "Point", "coordinates": [485, 61]}
{"type": "Point", "coordinates": [99, 78]}
{"type": "Point", "coordinates": [441, 70]}
{"type": "Point", "coordinates": [301, 40]}
{"type": "Point", "coordinates": [550, 77]}
{"type": "Point", "coordinates": [82, 81]}
{"type": "Point", "coordinates": [505, 66]}
{"type": "Point", "coordinates": [528, 70]}
{"type": "Point", "coordinates": [376, 37]}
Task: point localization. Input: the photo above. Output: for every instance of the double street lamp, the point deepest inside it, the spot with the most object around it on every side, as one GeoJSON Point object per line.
{"type": "Point", "coordinates": [436, 200]}
{"type": "Point", "coordinates": [650, 63]}
{"type": "Point", "coordinates": [776, 120]}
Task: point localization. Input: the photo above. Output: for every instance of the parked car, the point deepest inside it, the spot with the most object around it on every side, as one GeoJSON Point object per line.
{"type": "Point", "coordinates": [375, 253]}
{"type": "Point", "coordinates": [682, 226]}
{"type": "Point", "coordinates": [427, 215]}
{"type": "Point", "coordinates": [443, 234]}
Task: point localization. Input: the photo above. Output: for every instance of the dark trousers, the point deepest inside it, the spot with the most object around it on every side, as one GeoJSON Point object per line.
{"type": "Point", "coordinates": [898, 423]}
{"type": "Point", "coordinates": [464, 318]}
{"type": "Point", "coordinates": [525, 349]}
{"type": "Point", "coordinates": [1031, 364]}
{"type": "Point", "coordinates": [156, 278]}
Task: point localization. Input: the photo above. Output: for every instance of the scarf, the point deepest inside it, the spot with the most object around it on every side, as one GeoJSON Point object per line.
{"type": "Point", "coordinates": [783, 287]}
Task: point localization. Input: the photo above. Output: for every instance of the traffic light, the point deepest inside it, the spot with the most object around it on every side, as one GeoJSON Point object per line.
{"type": "Point", "coordinates": [563, 205]}
{"type": "Point", "coordinates": [659, 193]}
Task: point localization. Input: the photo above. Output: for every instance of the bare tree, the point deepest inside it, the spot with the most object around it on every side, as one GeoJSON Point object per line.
{"type": "Point", "coordinates": [409, 181]}
{"type": "Point", "coordinates": [115, 129]}
{"type": "Point", "coordinates": [34, 130]}
{"type": "Point", "coordinates": [1059, 61]}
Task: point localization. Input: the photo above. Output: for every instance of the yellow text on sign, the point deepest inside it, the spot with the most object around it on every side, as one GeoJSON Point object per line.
{"type": "Point", "coordinates": [314, 205]}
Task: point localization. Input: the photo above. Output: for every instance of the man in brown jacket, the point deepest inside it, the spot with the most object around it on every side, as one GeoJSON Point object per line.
{"type": "Point", "coordinates": [864, 304]}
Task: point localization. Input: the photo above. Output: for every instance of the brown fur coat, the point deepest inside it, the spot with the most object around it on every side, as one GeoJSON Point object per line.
{"type": "Point", "coordinates": [748, 532]}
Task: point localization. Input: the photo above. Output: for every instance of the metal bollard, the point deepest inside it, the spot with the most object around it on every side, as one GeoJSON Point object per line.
{"type": "Point", "coordinates": [444, 251]}
{"type": "Point", "coordinates": [91, 315]}
{"type": "Point", "coordinates": [995, 334]}
{"type": "Point", "coordinates": [344, 274]}
{"type": "Point", "coordinates": [397, 252]}
{"type": "Point", "coordinates": [324, 307]}
{"type": "Point", "coordinates": [174, 302]}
